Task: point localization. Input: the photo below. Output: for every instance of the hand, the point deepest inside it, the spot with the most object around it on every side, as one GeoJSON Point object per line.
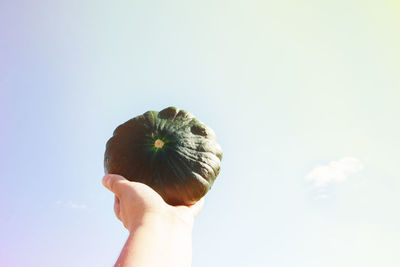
{"type": "Point", "coordinates": [136, 204]}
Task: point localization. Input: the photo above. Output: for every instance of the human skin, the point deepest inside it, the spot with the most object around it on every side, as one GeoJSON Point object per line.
{"type": "Point", "coordinates": [160, 235]}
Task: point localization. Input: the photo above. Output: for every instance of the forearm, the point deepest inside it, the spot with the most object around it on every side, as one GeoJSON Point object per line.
{"type": "Point", "coordinates": [158, 243]}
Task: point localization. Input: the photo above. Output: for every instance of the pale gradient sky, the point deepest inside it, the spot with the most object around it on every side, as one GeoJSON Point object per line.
{"type": "Point", "coordinates": [293, 89]}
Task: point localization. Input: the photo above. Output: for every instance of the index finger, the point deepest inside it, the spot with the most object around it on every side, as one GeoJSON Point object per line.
{"type": "Point", "coordinates": [114, 183]}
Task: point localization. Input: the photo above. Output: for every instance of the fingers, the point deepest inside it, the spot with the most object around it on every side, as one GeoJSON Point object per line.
{"type": "Point", "coordinates": [115, 183]}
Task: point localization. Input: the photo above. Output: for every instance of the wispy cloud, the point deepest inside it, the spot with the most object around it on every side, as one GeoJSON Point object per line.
{"type": "Point", "coordinates": [334, 172]}
{"type": "Point", "coordinates": [71, 205]}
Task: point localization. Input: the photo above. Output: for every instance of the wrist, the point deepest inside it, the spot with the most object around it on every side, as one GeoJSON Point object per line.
{"type": "Point", "coordinates": [168, 220]}
{"type": "Point", "coordinates": [168, 237]}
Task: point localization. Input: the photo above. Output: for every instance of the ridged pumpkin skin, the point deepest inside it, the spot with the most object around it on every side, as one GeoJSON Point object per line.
{"type": "Point", "coordinates": [171, 151]}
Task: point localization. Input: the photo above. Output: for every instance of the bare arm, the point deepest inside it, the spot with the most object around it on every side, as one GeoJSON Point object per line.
{"type": "Point", "coordinates": [158, 243]}
{"type": "Point", "coordinates": [159, 234]}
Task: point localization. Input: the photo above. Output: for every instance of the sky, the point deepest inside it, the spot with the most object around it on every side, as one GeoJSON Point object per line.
{"type": "Point", "coordinates": [302, 95]}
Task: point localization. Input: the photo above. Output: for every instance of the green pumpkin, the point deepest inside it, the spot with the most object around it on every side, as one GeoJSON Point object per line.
{"type": "Point", "coordinates": [171, 151]}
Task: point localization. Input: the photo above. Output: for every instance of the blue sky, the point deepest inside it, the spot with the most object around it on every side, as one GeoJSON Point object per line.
{"type": "Point", "coordinates": [303, 98]}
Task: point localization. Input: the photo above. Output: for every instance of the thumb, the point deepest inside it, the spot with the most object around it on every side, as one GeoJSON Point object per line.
{"type": "Point", "coordinates": [114, 182]}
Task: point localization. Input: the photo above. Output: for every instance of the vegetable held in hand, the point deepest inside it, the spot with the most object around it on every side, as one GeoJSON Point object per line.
{"type": "Point", "coordinates": [171, 151]}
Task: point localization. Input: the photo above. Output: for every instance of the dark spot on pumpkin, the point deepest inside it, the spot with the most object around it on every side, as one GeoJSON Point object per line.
{"type": "Point", "coordinates": [182, 114]}
{"type": "Point", "coordinates": [154, 134]}
{"type": "Point", "coordinates": [168, 113]}
{"type": "Point", "coordinates": [199, 129]}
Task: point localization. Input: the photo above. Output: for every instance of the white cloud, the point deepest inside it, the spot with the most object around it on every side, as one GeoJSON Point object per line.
{"type": "Point", "coordinates": [334, 172]}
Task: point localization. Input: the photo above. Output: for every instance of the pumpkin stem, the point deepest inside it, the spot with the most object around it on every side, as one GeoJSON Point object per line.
{"type": "Point", "coordinates": [158, 143]}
